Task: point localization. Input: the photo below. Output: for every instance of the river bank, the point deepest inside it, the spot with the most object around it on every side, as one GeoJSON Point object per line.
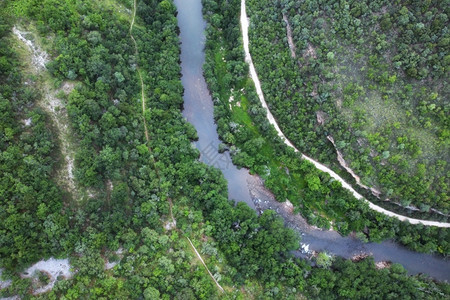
{"type": "Point", "coordinates": [317, 240]}
{"type": "Point", "coordinates": [199, 111]}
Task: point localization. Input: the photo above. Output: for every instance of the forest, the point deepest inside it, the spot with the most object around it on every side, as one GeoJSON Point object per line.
{"type": "Point", "coordinates": [254, 144]}
{"type": "Point", "coordinates": [370, 74]}
{"type": "Point", "coordinates": [135, 170]}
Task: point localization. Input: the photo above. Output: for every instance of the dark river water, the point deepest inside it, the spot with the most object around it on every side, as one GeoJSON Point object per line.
{"type": "Point", "coordinates": [198, 110]}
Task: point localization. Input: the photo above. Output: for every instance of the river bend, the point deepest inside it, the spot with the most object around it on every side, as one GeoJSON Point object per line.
{"type": "Point", "coordinates": [198, 110]}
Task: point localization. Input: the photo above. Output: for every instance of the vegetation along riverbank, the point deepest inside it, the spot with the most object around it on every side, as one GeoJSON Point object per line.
{"type": "Point", "coordinates": [103, 194]}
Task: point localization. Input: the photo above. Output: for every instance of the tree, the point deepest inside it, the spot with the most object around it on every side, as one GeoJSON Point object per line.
{"type": "Point", "coordinates": [151, 293]}
{"type": "Point", "coordinates": [324, 260]}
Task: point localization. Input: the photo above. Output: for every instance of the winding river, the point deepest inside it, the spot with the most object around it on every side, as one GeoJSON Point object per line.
{"type": "Point", "coordinates": [198, 110]}
{"type": "Point", "coordinates": [198, 106]}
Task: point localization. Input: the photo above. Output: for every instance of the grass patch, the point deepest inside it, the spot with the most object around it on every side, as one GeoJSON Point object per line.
{"type": "Point", "coordinates": [273, 168]}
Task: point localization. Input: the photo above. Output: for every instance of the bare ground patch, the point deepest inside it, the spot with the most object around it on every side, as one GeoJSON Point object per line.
{"type": "Point", "coordinates": [52, 103]}
{"type": "Point", "coordinates": [53, 268]}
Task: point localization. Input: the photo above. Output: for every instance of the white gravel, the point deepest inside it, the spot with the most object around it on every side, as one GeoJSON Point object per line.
{"type": "Point", "coordinates": [39, 57]}
{"type": "Point", "coordinates": [53, 267]}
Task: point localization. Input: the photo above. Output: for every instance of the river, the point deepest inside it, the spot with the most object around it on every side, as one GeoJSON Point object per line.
{"type": "Point", "coordinates": [198, 106]}
{"type": "Point", "coordinates": [198, 110]}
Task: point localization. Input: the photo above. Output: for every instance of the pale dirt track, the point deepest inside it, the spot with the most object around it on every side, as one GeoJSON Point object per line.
{"type": "Point", "coordinates": [254, 76]}
{"type": "Point", "coordinates": [173, 223]}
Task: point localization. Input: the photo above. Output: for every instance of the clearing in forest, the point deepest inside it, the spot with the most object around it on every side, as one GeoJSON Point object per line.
{"type": "Point", "coordinates": [52, 100]}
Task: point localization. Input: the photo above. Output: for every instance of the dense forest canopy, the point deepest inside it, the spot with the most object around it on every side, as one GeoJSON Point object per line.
{"type": "Point", "coordinates": [140, 195]}
{"type": "Point", "coordinates": [253, 143]}
{"type": "Point", "coordinates": [370, 74]}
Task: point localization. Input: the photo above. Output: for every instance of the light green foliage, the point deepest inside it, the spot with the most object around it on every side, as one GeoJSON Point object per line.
{"type": "Point", "coordinates": [324, 260]}
{"type": "Point", "coordinates": [317, 197]}
{"type": "Point", "coordinates": [151, 293]}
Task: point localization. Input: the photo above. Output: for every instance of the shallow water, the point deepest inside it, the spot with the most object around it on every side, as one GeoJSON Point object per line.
{"type": "Point", "coordinates": [198, 105]}
{"type": "Point", "coordinates": [198, 110]}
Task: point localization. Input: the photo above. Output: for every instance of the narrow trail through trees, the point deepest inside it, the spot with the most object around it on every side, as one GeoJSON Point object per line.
{"type": "Point", "coordinates": [289, 36]}
{"type": "Point", "coordinates": [136, 51]}
{"type": "Point", "coordinates": [147, 138]}
{"type": "Point", "coordinates": [209, 272]}
{"type": "Point", "coordinates": [340, 156]}
{"type": "Point", "coordinates": [244, 29]}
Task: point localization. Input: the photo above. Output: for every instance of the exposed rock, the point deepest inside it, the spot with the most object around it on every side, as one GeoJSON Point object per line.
{"type": "Point", "coordinates": [310, 52]}
{"type": "Point", "coordinates": [382, 264]}
{"type": "Point", "coordinates": [359, 257]}
{"type": "Point", "coordinates": [320, 115]}
{"type": "Point", "coordinates": [109, 265]}
{"type": "Point", "coordinates": [289, 36]}
{"type": "Point", "coordinates": [170, 225]}
{"type": "Point", "coordinates": [54, 106]}
{"type": "Point", "coordinates": [39, 57]}
{"type": "Point", "coordinates": [338, 102]}
{"type": "Point", "coordinates": [288, 206]}
{"type": "Point", "coordinates": [67, 87]}
{"type": "Point", "coordinates": [27, 122]}
{"type": "Point", "coordinates": [53, 268]}
{"type": "Point", "coordinates": [4, 284]}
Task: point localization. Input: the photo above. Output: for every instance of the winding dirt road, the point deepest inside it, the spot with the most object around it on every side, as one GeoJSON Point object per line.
{"type": "Point", "coordinates": [254, 76]}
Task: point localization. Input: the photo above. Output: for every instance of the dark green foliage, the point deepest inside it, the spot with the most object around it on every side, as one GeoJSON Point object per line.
{"type": "Point", "coordinates": [32, 223]}
{"type": "Point", "coordinates": [383, 95]}
{"type": "Point", "coordinates": [361, 280]}
{"type": "Point", "coordinates": [254, 131]}
{"type": "Point", "coordinates": [313, 192]}
{"type": "Point", "coordinates": [132, 180]}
